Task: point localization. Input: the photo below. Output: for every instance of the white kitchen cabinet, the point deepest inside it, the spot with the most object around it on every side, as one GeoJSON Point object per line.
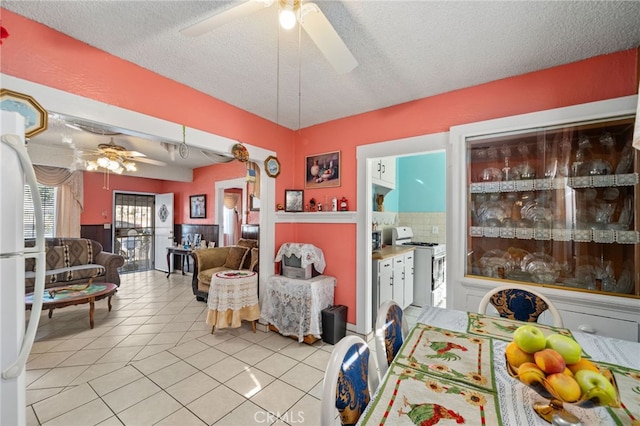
{"type": "Point", "coordinates": [382, 277]}
{"type": "Point", "coordinates": [550, 200]}
{"type": "Point", "coordinates": [393, 280]}
{"type": "Point", "coordinates": [384, 172]}
{"type": "Point", "coordinates": [398, 280]}
{"type": "Point", "coordinates": [408, 278]}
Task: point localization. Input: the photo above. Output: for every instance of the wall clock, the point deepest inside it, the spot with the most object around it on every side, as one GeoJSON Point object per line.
{"type": "Point", "coordinates": [272, 166]}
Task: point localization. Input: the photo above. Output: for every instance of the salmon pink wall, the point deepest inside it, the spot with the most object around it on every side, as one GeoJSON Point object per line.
{"type": "Point", "coordinates": [204, 180]}
{"type": "Point", "coordinates": [59, 61]}
{"type": "Point", "coordinates": [98, 202]}
{"type": "Point", "coordinates": [599, 78]}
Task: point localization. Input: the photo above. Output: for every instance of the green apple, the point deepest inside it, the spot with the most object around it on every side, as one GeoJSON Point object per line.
{"type": "Point", "coordinates": [565, 346]}
{"type": "Point", "coordinates": [529, 338]}
{"type": "Point", "coordinates": [595, 385]}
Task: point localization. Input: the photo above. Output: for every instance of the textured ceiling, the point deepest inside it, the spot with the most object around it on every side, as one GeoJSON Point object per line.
{"type": "Point", "coordinates": [406, 49]}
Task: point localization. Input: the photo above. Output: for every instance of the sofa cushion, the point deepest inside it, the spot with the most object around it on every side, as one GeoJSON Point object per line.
{"type": "Point", "coordinates": [86, 273]}
{"type": "Point", "coordinates": [30, 264]}
{"type": "Point", "coordinates": [255, 259]}
{"type": "Point", "coordinates": [204, 277]}
{"type": "Point", "coordinates": [80, 251]}
{"type": "Point", "coordinates": [248, 243]}
{"type": "Point", "coordinates": [236, 257]}
{"type": "Point", "coordinates": [57, 258]}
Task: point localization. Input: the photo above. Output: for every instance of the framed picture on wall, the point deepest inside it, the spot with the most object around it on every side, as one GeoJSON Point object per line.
{"type": "Point", "coordinates": [198, 206]}
{"type": "Point", "coordinates": [293, 200]}
{"type": "Point", "coordinates": [254, 203]}
{"type": "Point", "coordinates": [322, 170]}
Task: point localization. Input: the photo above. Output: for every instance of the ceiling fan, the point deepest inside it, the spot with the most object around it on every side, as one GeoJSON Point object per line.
{"type": "Point", "coordinates": [116, 158]}
{"type": "Point", "coordinates": [308, 14]}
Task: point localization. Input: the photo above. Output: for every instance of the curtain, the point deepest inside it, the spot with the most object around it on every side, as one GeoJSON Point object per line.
{"type": "Point", "coordinates": [232, 224]}
{"type": "Point", "coordinates": [70, 197]}
{"type": "Point", "coordinates": [254, 186]}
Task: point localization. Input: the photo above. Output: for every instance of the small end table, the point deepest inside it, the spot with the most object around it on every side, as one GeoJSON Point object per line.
{"type": "Point", "coordinates": [184, 255]}
{"type": "Point", "coordinates": [233, 297]}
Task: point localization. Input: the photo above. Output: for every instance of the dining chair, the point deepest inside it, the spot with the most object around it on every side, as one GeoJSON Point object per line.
{"type": "Point", "coordinates": [391, 330]}
{"type": "Point", "coordinates": [519, 303]}
{"type": "Point", "coordinates": [349, 381]}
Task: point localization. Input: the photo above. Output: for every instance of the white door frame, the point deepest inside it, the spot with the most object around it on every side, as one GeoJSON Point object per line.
{"type": "Point", "coordinates": [416, 145]}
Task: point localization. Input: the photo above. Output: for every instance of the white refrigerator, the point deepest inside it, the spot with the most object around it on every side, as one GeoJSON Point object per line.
{"type": "Point", "coordinates": [15, 342]}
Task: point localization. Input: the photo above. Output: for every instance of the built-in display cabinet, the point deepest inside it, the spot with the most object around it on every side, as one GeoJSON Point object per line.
{"type": "Point", "coordinates": [550, 200]}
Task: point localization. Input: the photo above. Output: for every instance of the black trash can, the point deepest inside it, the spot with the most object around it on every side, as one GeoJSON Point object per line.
{"type": "Point", "coordinates": [334, 323]}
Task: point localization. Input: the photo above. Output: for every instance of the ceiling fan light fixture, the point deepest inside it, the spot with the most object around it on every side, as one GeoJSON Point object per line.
{"type": "Point", "coordinates": [287, 16]}
{"type": "Point", "coordinates": [130, 166]}
{"type": "Point", "coordinates": [113, 165]}
{"type": "Point", "coordinates": [91, 166]}
{"type": "Point", "coordinates": [103, 162]}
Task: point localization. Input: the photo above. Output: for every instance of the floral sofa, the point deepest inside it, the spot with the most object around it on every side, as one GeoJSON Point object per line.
{"type": "Point", "coordinates": [208, 261]}
{"type": "Point", "coordinates": [76, 260]}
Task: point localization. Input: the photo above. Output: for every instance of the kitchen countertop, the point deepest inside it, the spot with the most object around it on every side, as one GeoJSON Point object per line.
{"type": "Point", "coordinates": [391, 251]}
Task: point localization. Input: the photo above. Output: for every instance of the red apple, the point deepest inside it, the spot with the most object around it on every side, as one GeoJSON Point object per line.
{"type": "Point", "coordinates": [563, 386]}
{"type": "Point", "coordinates": [549, 361]}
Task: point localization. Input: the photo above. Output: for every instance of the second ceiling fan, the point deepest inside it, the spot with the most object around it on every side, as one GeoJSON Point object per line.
{"type": "Point", "coordinates": [308, 14]}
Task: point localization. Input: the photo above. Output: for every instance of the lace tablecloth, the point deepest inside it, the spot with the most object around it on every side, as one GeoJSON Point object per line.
{"type": "Point", "coordinates": [233, 297]}
{"type": "Point", "coordinates": [294, 306]}
{"type": "Point", "coordinates": [308, 254]}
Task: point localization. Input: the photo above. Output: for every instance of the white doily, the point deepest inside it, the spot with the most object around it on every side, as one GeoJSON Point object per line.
{"type": "Point", "coordinates": [308, 254]}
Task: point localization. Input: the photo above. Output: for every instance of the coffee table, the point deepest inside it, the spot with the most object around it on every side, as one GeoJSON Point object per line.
{"type": "Point", "coordinates": [75, 295]}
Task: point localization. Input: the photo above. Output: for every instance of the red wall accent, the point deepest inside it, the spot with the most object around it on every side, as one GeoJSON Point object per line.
{"type": "Point", "coordinates": [59, 61]}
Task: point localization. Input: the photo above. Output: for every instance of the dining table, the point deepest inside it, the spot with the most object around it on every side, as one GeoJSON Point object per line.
{"type": "Point", "coordinates": [451, 369]}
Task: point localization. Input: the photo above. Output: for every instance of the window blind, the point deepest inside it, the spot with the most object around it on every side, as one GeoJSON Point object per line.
{"type": "Point", "coordinates": [48, 198]}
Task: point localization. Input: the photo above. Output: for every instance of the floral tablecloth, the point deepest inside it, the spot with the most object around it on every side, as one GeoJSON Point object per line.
{"type": "Point", "coordinates": [413, 394]}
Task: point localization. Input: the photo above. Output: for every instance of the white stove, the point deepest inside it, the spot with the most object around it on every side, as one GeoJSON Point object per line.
{"type": "Point", "coordinates": [429, 285]}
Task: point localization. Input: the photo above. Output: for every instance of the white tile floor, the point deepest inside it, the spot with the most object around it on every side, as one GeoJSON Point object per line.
{"type": "Point", "coordinates": [152, 360]}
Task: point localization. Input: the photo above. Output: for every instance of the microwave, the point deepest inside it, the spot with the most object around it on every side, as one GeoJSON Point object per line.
{"type": "Point", "coordinates": [292, 268]}
{"type": "Point", "coordinates": [376, 241]}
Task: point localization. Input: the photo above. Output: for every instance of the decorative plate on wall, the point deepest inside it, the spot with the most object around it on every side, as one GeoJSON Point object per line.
{"type": "Point", "coordinates": [240, 152]}
{"type": "Point", "coordinates": [272, 166]}
{"type": "Point", "coordinates": [35, 117]}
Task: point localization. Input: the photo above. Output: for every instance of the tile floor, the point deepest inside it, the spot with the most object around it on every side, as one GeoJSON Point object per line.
{"type": "Point", "coordinates": [153, 361]}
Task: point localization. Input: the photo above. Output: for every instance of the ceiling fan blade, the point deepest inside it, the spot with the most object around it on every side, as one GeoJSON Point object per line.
{"type": "Point", "coordinates": [216, 157]}
{"type": "Point", "coordinates": [225, 17]}
{"type": "Point", "coordinates": [149, 161]}
{"type": "Point", "coordinates": [316, 24]}
{"type": "Point", "coordinates": [132, 154]}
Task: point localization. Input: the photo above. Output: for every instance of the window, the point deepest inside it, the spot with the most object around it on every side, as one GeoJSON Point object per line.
{"type": "Point", "coordinates": [48, 197]}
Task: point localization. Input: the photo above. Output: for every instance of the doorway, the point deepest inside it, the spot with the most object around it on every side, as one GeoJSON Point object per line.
{"type": "Point", "coordinates": [230, 209]}
{"type": "Point", "coordinates": [365, 155]}
{"type": "Point", "coordinates": [133, 234]}
{"type": "Point", "coordinates": [232, 219]}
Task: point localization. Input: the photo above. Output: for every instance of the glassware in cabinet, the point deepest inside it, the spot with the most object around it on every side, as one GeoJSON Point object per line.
{"type": "Point", "coordinates": [555, 205]}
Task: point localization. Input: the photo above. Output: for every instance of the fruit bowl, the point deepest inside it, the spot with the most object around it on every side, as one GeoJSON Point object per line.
{"type": "Point", "coordinates": [545, 387]}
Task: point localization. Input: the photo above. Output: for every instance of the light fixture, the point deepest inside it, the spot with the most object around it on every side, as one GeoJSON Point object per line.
{"type": "Point", "coordinates": [287, 15]}
{"type": "Point", "coordinates": [110, 163]}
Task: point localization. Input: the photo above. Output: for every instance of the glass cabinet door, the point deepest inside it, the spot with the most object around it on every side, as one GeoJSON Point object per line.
{"type": "Point", "coordinates": [555, 206]}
